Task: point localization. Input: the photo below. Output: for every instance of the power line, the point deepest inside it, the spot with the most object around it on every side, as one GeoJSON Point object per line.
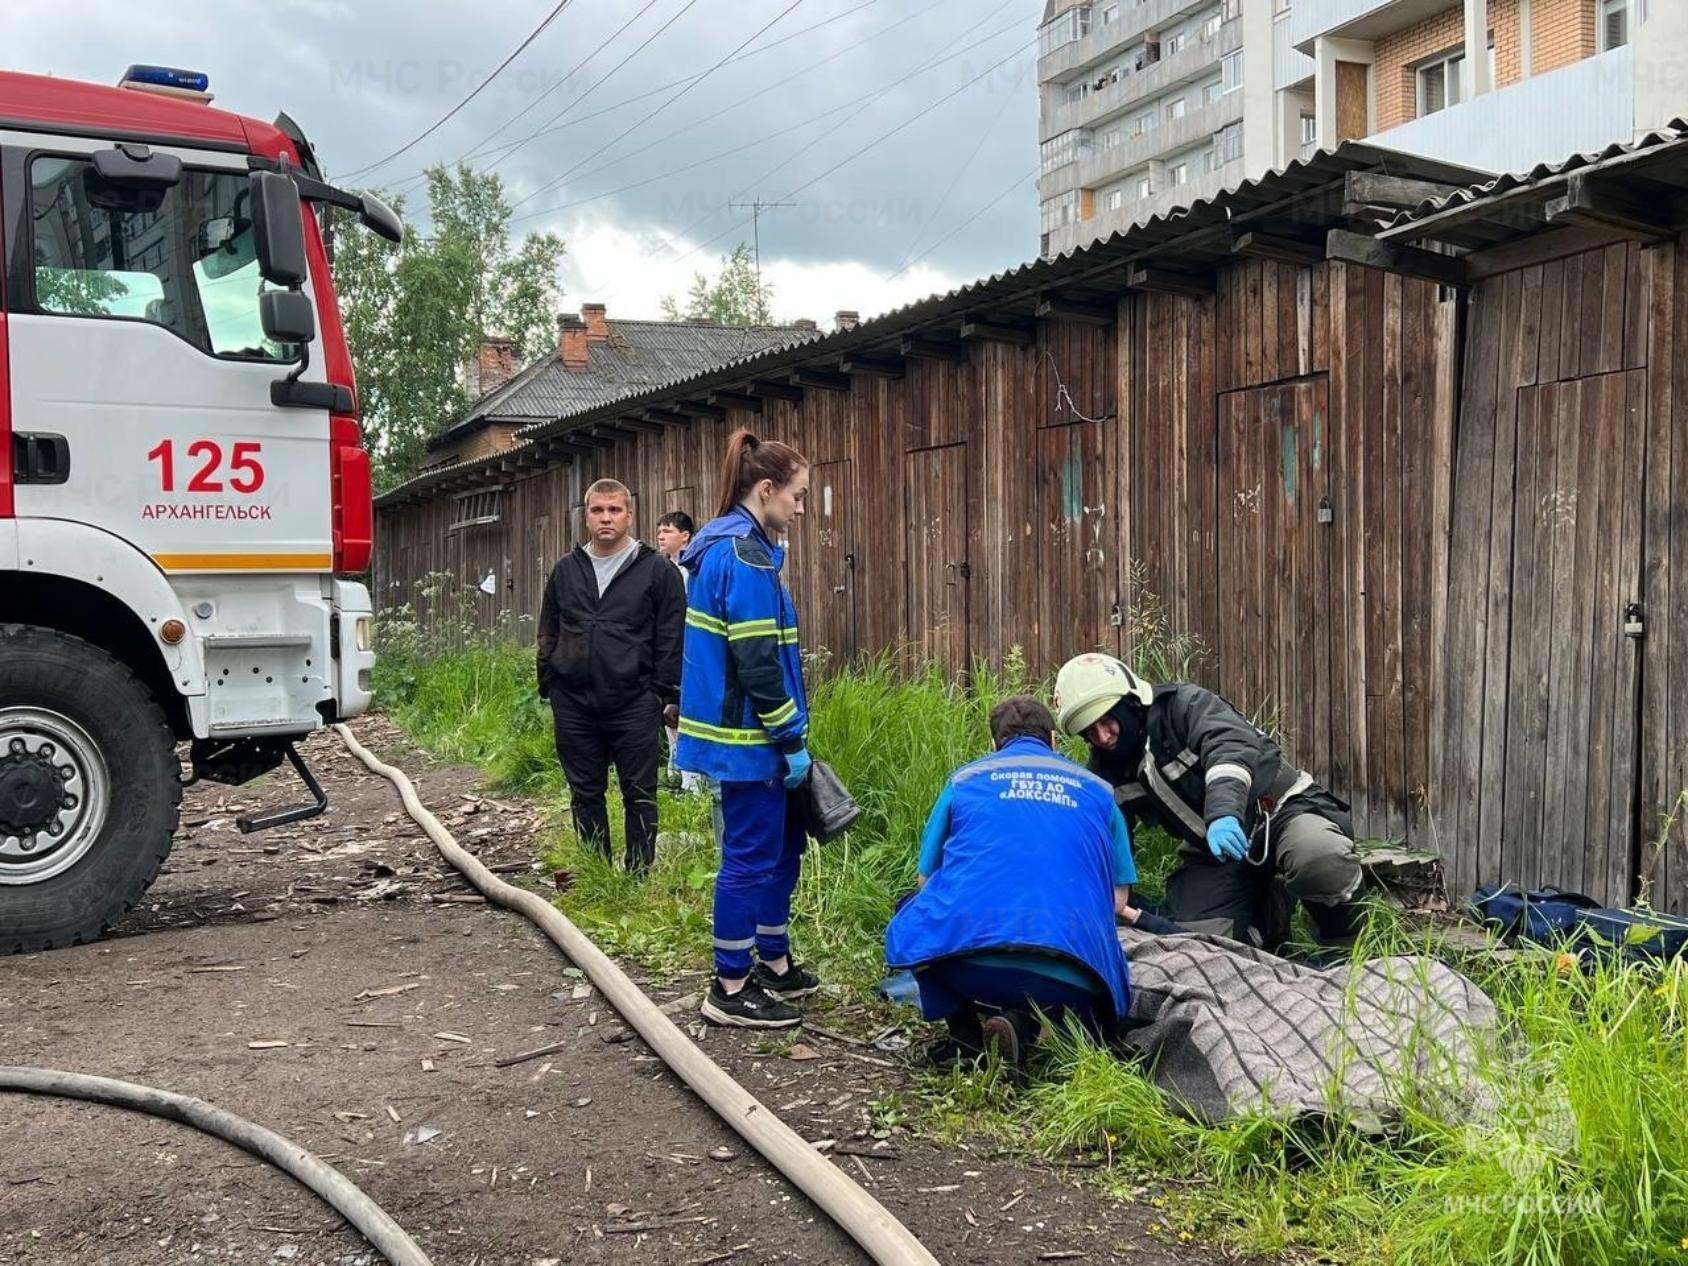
{"type": "Point", "coordinates": [928, 65]}
{"type": "Point", "coordinates": [955, 180]}
{"type": "Point", "coordinates": [474, 92]}
{"type": "Point", "coordinates": [1018, 182]}
{"type": "Point", "coordinates": [627, 131]}
{"type": "Point", "coordinates": [799, 73]}
{"type": "Point", "coordinates": [551, 126]}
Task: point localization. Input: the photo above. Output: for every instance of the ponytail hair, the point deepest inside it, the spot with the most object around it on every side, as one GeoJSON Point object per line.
{"type": "Point", "coordinates": [749, 461]}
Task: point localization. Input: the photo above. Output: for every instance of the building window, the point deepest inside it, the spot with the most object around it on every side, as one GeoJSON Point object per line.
{"type": "Point", "coordinates": [1145, 188]}
{"type": "Point", "coordinates": [1228, 143]}
{"type": "Point", "coordinates": [1113, 138]}
{"type": "Point", "coordinates": [1614, 24]}
{"type": "Point", "coordinates": [1210, 28]}
{"type": "Point", "coordinates": [1440, 82]}
{"type": "Point", "coordinates": [1231, 71]}
{"type": "Point", "coordinates": [1110, 14]}
{"type": "Point", "coordinates": [1211, 92]}
{"type": "Point", "coordinates": [1060, 211]}
{"type": "Point", "coordinates": [1068, 147]}
{"type": "Point", "coordinates": [1147, 122]}
{"type": "Point", "coordinates": [1114, 199]}
{"type": "Point", "coordinates": [1231, 10]}
{"type": "Point", "coordinates": [1077, 91]}
{"type": "Point", "coordinates": [1309, 135]}
{"type": "Point", "coordinates": [1171, 42]}
{"type": "Point", "coordinates": [1178, 174]}
{"type": "Point", "coordinates": [1175, 109]}
{"type": "Point", "coordinates": [1060, 31]}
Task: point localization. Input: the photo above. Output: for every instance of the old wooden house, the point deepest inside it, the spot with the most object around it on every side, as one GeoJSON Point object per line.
{"type": "Point", "coordinates": [1408, 455]}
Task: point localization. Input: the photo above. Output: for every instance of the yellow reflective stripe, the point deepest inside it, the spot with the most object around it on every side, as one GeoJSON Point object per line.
{"type": "Point", "coordinates": [789, 637]}
{"type": "Point", "coordinates": [719, 734]}
{"type": "Point", "coordinates": [781, 714]}
{"type": "Point", "coordinates": [745, 629]}
{"type": "Point", "coordinates": [708, 623]}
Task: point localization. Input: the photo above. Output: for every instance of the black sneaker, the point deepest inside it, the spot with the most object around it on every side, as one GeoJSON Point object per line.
{"type": "Point", "coordinates": [797, 981]}
{"type": "Point", "coordinates": [749, 1008]}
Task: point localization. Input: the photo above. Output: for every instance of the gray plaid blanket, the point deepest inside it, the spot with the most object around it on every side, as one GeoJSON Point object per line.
{"type": "Point", "coordinates": [1227, 1029]}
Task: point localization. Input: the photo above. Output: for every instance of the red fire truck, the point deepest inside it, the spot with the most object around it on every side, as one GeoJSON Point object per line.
{"type": "Point", "coordinates": [183, 486]}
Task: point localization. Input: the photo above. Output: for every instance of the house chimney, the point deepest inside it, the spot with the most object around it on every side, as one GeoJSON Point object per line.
{"type": "Point", "coordinates": [597, 321]}
{"type": "Point", "coordinates": [846, 319]}
{"type": "Point", "coordinates": [572, 345]}
{"type": "Point", "coordinates": [805, 323]}
{"type": "Point", "coordinates": [494, 365]}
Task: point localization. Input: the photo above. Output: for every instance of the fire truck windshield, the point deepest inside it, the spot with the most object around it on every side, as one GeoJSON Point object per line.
{"type": "Point", "coordinates": [180, 257]}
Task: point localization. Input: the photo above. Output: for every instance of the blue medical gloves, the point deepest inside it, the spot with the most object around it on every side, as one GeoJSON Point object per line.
{"type": "Point", "coordinates": [796, 768]}
{"type": "Point", "coordinates": [1226, 841]}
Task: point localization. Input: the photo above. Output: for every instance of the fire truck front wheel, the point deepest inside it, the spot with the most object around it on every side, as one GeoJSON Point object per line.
{"type": "Point", "coordinates": [90, 789]}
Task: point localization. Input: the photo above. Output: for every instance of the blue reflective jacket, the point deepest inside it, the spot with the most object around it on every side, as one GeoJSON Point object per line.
{"type": "Point", "coordinates": [742, 702]}
{"type": "Point", "coordinates": [1028, 865]}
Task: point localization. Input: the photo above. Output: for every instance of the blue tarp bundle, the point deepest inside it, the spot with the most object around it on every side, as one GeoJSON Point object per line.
{"type": "Point", "coordinates": [1577, 923]}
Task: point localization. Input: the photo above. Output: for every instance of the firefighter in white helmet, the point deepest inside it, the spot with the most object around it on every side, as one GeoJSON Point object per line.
{"type": "Point", "coordinates": [1252, 828]}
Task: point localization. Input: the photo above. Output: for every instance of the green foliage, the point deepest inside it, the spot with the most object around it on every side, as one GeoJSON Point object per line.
{"type": "Point", "coordinates": [737, 296]}
{"type": "Point", "coordinates": [77, 291]}
{"type": "Point", "coordinates": [1579, 1158]}
{"type": "Point", "coordinates": [415, 311]}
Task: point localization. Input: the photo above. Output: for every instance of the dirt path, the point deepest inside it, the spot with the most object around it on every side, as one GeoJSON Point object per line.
{"type": "Point", "coordinates": [395, 991]}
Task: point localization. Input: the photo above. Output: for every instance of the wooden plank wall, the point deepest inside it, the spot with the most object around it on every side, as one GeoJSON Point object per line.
{"type": "Point", "coordinates": [1562, 752]}
{"type": "Point", "coordinates": [993, 503]}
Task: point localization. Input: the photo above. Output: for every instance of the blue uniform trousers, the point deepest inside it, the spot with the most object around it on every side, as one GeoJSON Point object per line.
{"type": "Point", "coordinates": [965, 984]}
{"type": "Point", "coordinates": [762, 838]}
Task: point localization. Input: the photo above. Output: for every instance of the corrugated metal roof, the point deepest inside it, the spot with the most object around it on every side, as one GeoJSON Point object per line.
{"type": "Point", "coordinates": [1508, 205]}
{"type": "Point", "coordinates": [1193, 237]}
{"type": "Point", "coordinates": [637, 356]}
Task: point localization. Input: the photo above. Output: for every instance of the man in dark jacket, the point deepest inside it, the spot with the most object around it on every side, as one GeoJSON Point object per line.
{"type": "Point", "coordinates": [610, 632]}
{"type": "Point", "coordinates": [1252, 828]}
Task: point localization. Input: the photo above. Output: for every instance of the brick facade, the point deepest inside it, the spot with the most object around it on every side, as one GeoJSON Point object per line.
{"type": "Point", "coordinates": [1561, 32]}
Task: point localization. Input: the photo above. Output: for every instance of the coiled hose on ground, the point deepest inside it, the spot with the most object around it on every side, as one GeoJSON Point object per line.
{"type": "Point", "coordinates": [857, 1213]}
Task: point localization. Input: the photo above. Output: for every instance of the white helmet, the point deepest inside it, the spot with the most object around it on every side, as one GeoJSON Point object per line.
{"type": "Point", "coordinates": [1088, 686]}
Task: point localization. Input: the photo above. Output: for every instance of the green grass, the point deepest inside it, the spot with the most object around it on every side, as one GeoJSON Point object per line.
{"type": "Point", "coordinates": [1600, 1179]}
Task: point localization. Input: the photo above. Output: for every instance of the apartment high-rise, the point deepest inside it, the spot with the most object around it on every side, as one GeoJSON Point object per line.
{"type": "Point", "coordinates": [1147, 105]}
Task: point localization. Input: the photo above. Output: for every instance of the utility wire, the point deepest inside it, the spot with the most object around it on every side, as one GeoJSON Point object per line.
{"type": "Point", "coordinates": [799, 73]}
{"type": "Point", "coordinates": [955, 180]}
{"type": "Point", "coordinates": [928, 65]}
{"type": "Point", "coordinates": [551, 126]}
{"type": "Point", "coordinates": [474, 92]}
{"type": "Point", "coordinates": [908, 264]}
{"type": "Point", "coordinates": [634, 127]}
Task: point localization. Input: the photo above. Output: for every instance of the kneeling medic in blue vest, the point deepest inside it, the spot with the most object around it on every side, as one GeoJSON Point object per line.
{"type": "Point", "coordinates": [1024, 865]}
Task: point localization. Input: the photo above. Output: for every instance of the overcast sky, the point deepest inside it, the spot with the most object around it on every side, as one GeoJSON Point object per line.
{"type": "Point", "coordinates": [363, 77]}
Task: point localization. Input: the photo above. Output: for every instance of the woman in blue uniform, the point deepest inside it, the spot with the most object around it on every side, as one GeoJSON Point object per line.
{"type": "Point", "coordinates": [744, 721]}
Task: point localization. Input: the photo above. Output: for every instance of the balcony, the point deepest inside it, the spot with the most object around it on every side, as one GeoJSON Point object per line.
{"type": "Point", "coordinates": [1106, 223]}
{"type": "Point", "coordinates": [1357, 19]}
{"type": "Point", "coordinates": [1135, 18]}
{"type": "Point", "coordinates": [1196, 58]}
{"type": "Point", "coordinates": [1577, 109]}
{"type": "Point", "coordinates": [1102, 167]}
{"type": "Point", "coordinates": [1290, 67]}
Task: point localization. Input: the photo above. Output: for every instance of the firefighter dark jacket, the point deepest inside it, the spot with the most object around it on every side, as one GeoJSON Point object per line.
{"type": "Point", "coordinates": [619, 650]}
{"type": "Point", "coordinates": [1204, 760]}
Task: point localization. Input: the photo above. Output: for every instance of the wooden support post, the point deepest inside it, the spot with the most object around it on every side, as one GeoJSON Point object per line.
{"type": "Point", "coordinates": [1058, 309]}
{"type": "Point", "coordinates": [1170, 281]}
{"type": "Point", "coordinates": [735, 400]}
{"type": "Point", "coordinates": [913, 345]}
{"type": "Point", "coordinates": [1409, 261]}
{"type": "Point", "coordinates": [820, 380]}
{"type": "Point", "coordinates": [868, 367]}
{"type": "Point", "coordinates": [1362, 189]}
{"type": "Point", "coordinates": [698, 409]}
{"type": "Point", "coordinates": [767, 390]}
{"type": "Point", "coordinates": [1588, 202]}
{"type": "Point", "coordinates": [997, 332]}
{"type": "Point", "coordinates": [1285, 250]}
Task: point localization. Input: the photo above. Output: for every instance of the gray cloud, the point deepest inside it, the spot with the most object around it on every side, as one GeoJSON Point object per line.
{"type": "Point", "coordinates": [363, 76]}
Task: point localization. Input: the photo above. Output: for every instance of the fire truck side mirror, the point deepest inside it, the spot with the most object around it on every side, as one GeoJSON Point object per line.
{"type": "Point", "coordinates": [380, 218]}
{"type": "Point", "coordinates": [278, 230]}
{"type": "Point", "coordinates": [137, 167]}
{"type": "Point", "coordinates": [287, 316]}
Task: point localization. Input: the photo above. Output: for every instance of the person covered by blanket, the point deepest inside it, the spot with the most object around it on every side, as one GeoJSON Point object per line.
{"type": "Point", "coordinates": [1255, 833]}
{"type": "Point", "coordinates": [1024, 865]}
{"type": "Point", "coordinates": [744, 721]}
